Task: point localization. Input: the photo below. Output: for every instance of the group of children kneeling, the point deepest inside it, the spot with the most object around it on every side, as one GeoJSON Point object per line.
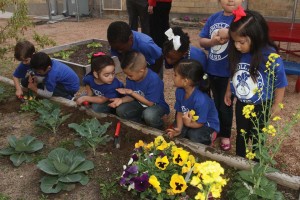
{"type": "Point", "coordinates": [142, 98]}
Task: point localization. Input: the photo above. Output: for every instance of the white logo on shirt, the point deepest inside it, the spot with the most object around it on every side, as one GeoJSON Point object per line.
{"type": "Point", "coordinates": [217, 50]}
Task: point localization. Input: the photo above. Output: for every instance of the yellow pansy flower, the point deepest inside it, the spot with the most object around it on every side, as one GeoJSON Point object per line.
{"type": "Point", "coordinates": [139, 144]}
{"type": "Point", "coordinates": [178, 184]}
{"type": "Point", "coordinates": [162, 162]}
{"type": "Point", "coordinates": [155, 183]}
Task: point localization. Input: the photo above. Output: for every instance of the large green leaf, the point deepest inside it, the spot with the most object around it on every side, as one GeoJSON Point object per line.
{"type": "Point", "coordinates": [61, 167]}
{"type": "Point", "coordinates": [51, 185]}
{"type": "Point", "coordinates": [75, 158]}
{"type": "Point", "coordinates": [85, 166]}
{"type": "Point", "coordinates": [58, 154]}
{"type": "Point", "coordinates": [12, 140]}
{"type": "Point", "coordinates": [7, 151]}
{"type": "Point", "coordinates": [47, 167]}
{"type": "Point", "coordinates": [71, 178]}
{"type": "Point", "coordinates": [84, 180]}
{"type": "Point", "coordinates": [18, 159]}
{"type": "Point", "coordinates": [28, 144]}
{"type": "Point", "coordinates": [246, 175]}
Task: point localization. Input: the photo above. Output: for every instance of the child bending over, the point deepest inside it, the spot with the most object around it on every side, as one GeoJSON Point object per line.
{"type": "Point", "coordinates": [144, 100]}
{"type": "Point", "coordinates": [196, 117]}
{"type": "Point", "coordinates": [101, 83]}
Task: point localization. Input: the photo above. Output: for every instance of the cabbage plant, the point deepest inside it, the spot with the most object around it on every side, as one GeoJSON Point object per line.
{"type": "Point", "coordinates": [92, 133]}
{"type": "Point", "coordinates": [64, 168]}
{"type": "Point", "coordinates": [20, 149]}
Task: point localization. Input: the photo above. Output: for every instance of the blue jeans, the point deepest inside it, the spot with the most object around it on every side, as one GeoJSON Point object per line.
{"type": "Point", "coordinates": [151, 116]}
{"type": "Point", "coordinates": [201, 135]}
{"type": "Point", "coordinates": [103, 108]}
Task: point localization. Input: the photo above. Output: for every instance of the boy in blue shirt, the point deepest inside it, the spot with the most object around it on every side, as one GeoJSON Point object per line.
{"type": "Point", "coordinates": [55, 78]}
{"type": "Point", "coordinates": [144, 100]}
{"type": "Point", "coordinates": [122, 39]}
{"type": "Point", "coordinates": [23, 53]}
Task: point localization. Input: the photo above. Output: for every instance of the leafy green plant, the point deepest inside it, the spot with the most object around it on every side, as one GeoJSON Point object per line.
{"type": "Point", "coordinates": [64, 168]}
{"type": "Point", "coordinates": [94, 45]}
{"type": "Point", "coordinates": [51, 119]}
{"type": "Point", "coordinates": [65, 55]}
{"type": "Point", "coordinates": [89, 56]}
{"type": "Point", "coordinates": [4, 197]}
{"type": "Point", "coordinates": [43, 40]}
{"type": "Point", "coordinates": [19, 150]}
{"type": "Point", "coordinates": [108, 189]}
{"type": "Point", "coordinates": [92, 133]}
{"type": "Point", "coordinates": [34, 105]}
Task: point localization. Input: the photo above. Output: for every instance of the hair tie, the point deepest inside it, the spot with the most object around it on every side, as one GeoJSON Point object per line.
{"type": "Point", "coordinates": [99, 54]}
{"type": "Point", "coordinates": [176, 39]}
{"type": "Point", "coordinates": [239, 13]}
{"type": "Point", "coordinates": [205, 76]}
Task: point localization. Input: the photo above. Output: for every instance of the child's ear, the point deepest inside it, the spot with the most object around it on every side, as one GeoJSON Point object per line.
{"type": "Point", "coordinates": [95, 74]}
{"type": "Point", "coordinates": [130, 39]}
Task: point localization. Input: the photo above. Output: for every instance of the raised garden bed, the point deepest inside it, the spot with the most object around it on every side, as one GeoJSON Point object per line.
{"type": "Point", "coordinates": [77, 55]}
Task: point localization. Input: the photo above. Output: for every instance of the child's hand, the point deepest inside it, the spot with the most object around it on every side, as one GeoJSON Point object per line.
{"type": "Point", "coordinates": [223, 33]}
{"type": "Point", "coordinates": [115, 102]}
{"type": "Point", "coordinates": [172, 132]}
{"type": "Point", "coordinates": [19, 93]}
{"type": "Point", "coordinates": [80, 100]}
{"type": "Point", "coordinates": [227, 98]}
{"type": "Point", "coordinates": [32, 86]}
{"type": "Point", "coordinates": [124, 91]}
{"type": "Point", "coordinates": [187, 119]}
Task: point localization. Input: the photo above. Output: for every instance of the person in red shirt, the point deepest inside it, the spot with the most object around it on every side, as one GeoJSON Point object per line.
{"type": "Point", "coordinates": [159, 11]}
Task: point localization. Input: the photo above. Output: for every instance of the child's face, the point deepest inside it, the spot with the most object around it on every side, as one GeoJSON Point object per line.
{"type": "Point", "coordinates": [42, 72]}
{"type": "Point", "coordinates": [179, 81]}
{"type": "Point", "coordinates": [106, 75]}
{"type": "Point", "coordinates": [173, 57]}
{"type": "Point", "coordinates": [135, 75]}
{"type": "Point", "coordinates": [26, 61]}
{"type": "Point", "coordinates": [123, 47]}
{"type": "Point", "coordinates": [230, 5]}
{"type": "Point", "coordinates": [241, 43]}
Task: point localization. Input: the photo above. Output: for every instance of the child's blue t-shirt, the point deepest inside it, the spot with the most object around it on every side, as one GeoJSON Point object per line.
{"type": "Point", "coordinates": [151, 87]}
{"type": "Point", "coordinates": [61, 74]}
{"type": "Point", "coordinates": [195, 54]}
{"type": "Point", "coordinates": [202, 104]}
{"type": "Point", "coordinates": [144, 44]}
{"type": "Point", "coordinates": [106, 90]}
{"type": "Point", "coordinates": [217, 64]}
{"type": "Point", "coordinates": [246, 90]}
{"type": "Point", "coordinates": [21, 70]}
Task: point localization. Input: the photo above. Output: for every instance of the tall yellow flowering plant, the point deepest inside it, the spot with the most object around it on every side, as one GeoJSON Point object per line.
{"type": "Point", "coordinates": [253, 184]}
{"type": "Point", "coordinates": [161, 170]}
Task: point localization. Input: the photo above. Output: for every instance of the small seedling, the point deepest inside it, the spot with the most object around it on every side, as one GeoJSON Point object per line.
{"type": "Point", "coordinates": [65, 55]}
{"type": "Point", "coordinates": [94, 45]}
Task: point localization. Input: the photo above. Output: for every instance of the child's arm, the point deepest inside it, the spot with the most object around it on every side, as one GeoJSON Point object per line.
{"type": "Point", "coordinates": [187, 121]}
{"type": "Point", "coordinates": [136, 96]}
{"type": "Point", "coordinates": [217, 39]}
{"type": "Point", "coordinates": [90, 98]}
{"type": "Point", "coordinates": [172, 132]}
{"type": "Point", "coordinates": [279, 94]}
{"type": "Point", "coordinates": [227, 97]}
{"type": "Point", "coordinates": [18, 87]}
{"type": "Point", "coordinates": [115, 102]}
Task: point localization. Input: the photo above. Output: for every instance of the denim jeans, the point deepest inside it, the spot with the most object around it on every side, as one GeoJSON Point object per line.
{"type": "Point", "coordinates": [201, 135]}
{"type": "Point", "coordinates": [103, 108]}
{"type": "Point", "coordinates": [151, 116]}
{"type": "Point", "coordinates": [218, 88]}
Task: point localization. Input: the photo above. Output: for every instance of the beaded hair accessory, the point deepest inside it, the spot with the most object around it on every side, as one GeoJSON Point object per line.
{"type": "Point", "coordinates": [99, 54]}
{"type": "Point", "coordinates": [238, 13]}
{"type": "Point", "coordinates": [205, 76]}
{"type": "Point", "coordinates": [175, 38]}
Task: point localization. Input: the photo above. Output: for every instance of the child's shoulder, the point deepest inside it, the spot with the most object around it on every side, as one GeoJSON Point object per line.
{"type": "Point", "coordinates": [215, 15]}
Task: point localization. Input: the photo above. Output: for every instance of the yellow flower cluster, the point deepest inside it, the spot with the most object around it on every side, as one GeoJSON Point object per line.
{"type": "Point", "coordinates": [272, 59]}
{"type": "Point", "coordinates": [250, 155]}
{"type": "Point", "coordinates": [248, 111]}
{"type": "Point", "coordinates": [270, 129]}
{"type": "Point", "coordinates": [193, 115]}
{"type": "Point", "coordinates": [208, 175]}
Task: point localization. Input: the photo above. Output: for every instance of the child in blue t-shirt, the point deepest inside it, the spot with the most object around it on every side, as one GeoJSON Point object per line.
{"type": "Point", "coordinates": [214, 37]}
{"type": "Point", "coordinates": [196, 117]}
{"type": "Point", "coordinates": [144, 100]}
{"type": "Point", "coordinates": [23, 53]}
{"type": "Point", "coordinates": [122, 39]}
{"type": "Point", "coordinates": [253, 81]}
{"type": "Point", "coordinates": [101, 83]}
{"type": "Point", "coordinates": [52, 78]}
{"type": "Point", "coordinates": [178, 47]}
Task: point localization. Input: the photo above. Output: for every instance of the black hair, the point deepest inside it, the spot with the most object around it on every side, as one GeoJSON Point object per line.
{"type": "Point", "coordinates": [193, 70]}
{"type": "Point", "coordinates": [133, 60]}
{"type": "Point", "coordinates": [254, 26]}
{"type": "Point", "coordinates": [184, 40]}
{"type": "Point", "coordinates": [100, 62]}
{"type": "Point", "coordinates": [24, 49]}
{"type": "Point", "coordinates": [40, 61]}
{"type": "Point", "coordinates": [118, 32]}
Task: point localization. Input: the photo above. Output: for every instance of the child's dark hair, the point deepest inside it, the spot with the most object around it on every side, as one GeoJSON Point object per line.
{"type": "Point", "coordinates": [254, 26]}
{"type": "Point", "coordinates": [193, 70]}
{"type": "Point", "coordinates": [118, 32]}
{"type": "Point", "coordinates": [99, 62]}
{"type": "Point", "coordinates": [133, 60]}
{"type": "Point", "coordinates": [24, 49]}
{"type": "Point", "coordinates": [40, 61]}
{"type": "Point", "coordinates": [184, 40]}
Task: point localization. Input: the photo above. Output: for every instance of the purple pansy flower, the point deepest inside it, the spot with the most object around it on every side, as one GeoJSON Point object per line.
{"type": "Point", "coordinates": [141, 183]}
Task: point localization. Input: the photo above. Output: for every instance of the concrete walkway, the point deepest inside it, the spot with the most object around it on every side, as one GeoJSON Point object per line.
{"type": "Point", "coordinates": [5, 15]}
